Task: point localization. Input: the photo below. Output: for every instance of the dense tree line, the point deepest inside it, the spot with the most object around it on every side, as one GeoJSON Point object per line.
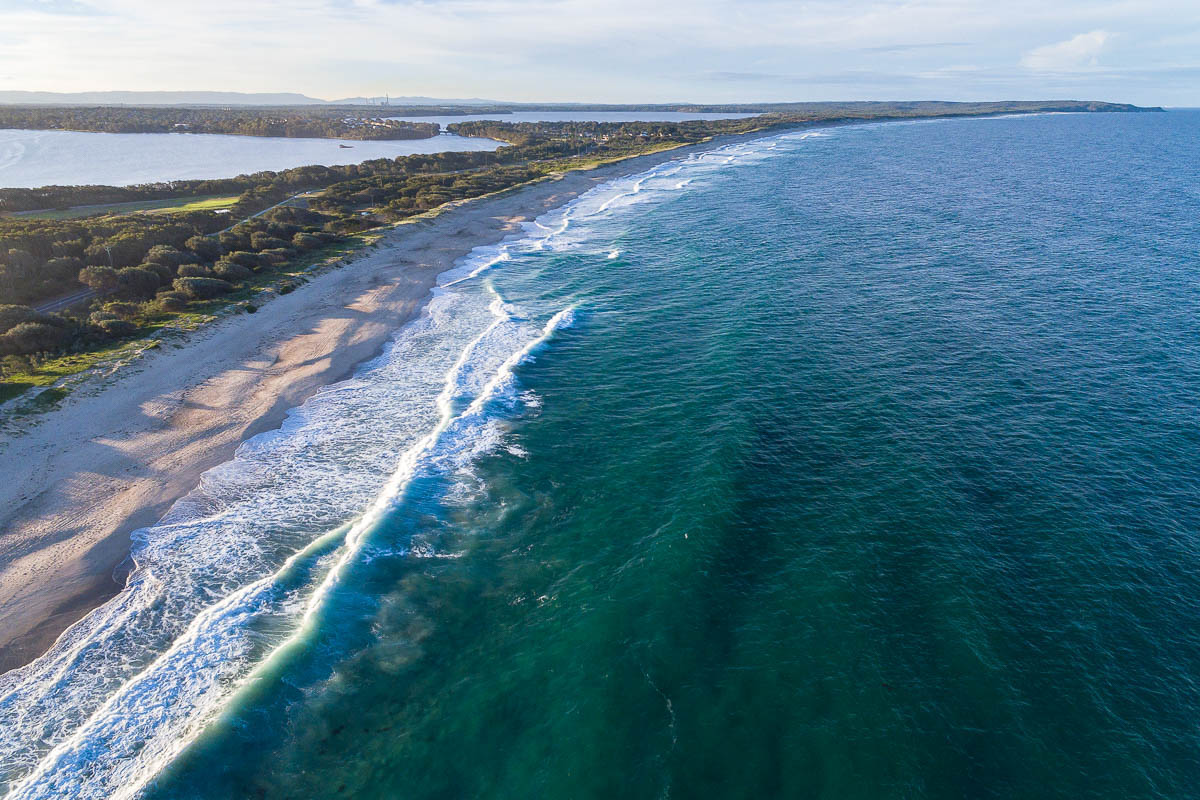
{"type": "Point", "coordinates": [308, 177]}
{"type": "Point", "coordinates": [875, 108]}
{"type": "Point", "coordinates": [302, 122]}
{"type": "Point", "coordinates": [140, 270]}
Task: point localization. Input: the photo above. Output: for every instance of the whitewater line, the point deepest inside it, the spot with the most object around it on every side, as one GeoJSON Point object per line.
{"type": "Point", "coordinates": [351, 545]}
{"type": "Point", "coordinates": [194, 630]}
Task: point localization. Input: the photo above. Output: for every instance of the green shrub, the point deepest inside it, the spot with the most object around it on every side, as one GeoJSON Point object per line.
{"type": "Point", "coordinates": [171, 300]}
{"type": "Point", "coordinates": [264, 241]}
{"type": "Point", "coordinates": [11, 316]}
{"type": "Point", "coordinates": [206, 248]}
{"type": "Point", "coordinates": [230, 271]}
{"type": "Point", "coordinates": [102, 279]}
{"type": "Point", "coordinates": [165, 255]}
{"type": "Point", "coordinates": [137, 283]}
{"type": "Point", "coordinates": [122, 310]}
{"type": "Point", "coordinates": [61, 269]}
{"type": "Point", "coordinates": [245, 258]}
{"type": "Point", "coordinates": [306, 241]}
{"type": "Point", "coordinates": [117, 328]}
{"type": "Point", "coordinates": [235, 239]}
{"type": "Point", "coordinates": [274, 258]}
{"type": "Point", "coordinates": [165, 273]}
{"type": "Point", "coordinates": [203, 288]}
{"type": "Point", "coordinates": [27, 338]}
{"type": "Point", "coordinates": [194, 271]}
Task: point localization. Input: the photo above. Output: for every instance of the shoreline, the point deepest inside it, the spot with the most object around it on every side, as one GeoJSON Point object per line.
{"type": "Point", "coordinates": [114, 458]}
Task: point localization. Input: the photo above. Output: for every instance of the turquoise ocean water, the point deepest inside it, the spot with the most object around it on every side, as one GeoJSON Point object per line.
{"type": "Point", "coordinates": [851, 463]}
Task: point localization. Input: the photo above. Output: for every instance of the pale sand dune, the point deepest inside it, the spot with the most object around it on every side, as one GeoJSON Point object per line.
{"type": "Point", "coordinates": [87, 475]}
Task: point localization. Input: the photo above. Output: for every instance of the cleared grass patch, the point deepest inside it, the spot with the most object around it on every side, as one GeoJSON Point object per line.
{"type": "Point", "coordinates": [169, 206]}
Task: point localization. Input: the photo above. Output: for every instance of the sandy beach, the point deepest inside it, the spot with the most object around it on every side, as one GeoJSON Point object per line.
{"type": "Point", "coordinates": [114, 459]}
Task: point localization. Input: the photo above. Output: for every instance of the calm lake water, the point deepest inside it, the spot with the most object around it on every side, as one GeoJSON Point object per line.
{"type": "Point", "coordinates": [849, 464]}
{"type": "Point", "coordinates": [44, 158]}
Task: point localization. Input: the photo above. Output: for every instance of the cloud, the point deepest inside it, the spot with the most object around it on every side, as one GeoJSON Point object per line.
{"type": "Point", "coordinates": [617, 51]}
{"type": "Point", "coordinates": [1078, 52]}
{"type": "Point", "coordinates": [908, 48]}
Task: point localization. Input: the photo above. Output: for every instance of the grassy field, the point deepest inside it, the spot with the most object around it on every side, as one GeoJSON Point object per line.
{"type": "Point", "coordinates": [170, 206]}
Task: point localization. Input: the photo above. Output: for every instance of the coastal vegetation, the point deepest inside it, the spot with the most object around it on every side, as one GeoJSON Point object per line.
{"type": "Point", "coordinates": [301, 122]}
{"type": "Point", "coordinates": [129, 273]}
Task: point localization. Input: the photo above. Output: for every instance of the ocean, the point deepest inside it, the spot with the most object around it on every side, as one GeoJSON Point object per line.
{"type": "Point", "coordinates": [856, 462]}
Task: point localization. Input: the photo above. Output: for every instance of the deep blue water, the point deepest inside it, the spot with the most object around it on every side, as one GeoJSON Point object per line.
{"type": "Point", "coordinates": [853, 465]}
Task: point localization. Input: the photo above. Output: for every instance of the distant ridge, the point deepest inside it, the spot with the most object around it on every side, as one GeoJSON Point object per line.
{"type": "Point", "coordinates": [216, 99]}
{"type": "Point", "coordinates": [156, 98]}
{"type": "Point", "coordinates": [405, 104]}
{"type": "Point", "coordinates": [415, 101]}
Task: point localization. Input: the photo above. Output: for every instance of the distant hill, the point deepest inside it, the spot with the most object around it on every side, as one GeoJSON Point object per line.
{"type": "Point", "coordinates": [414, 101]}
{"type": "Point", "coordinates": [215, 99]}
{"type": "Point", "coordinates": [416, 105]}
{"type": "Point", "coordinates": [157, 98]}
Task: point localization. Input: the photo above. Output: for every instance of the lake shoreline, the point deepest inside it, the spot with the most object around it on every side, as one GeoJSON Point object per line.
{"type": "Point", "coordinates": [114, 459]}
{"type": "Point", "coordinates": [35, 158]}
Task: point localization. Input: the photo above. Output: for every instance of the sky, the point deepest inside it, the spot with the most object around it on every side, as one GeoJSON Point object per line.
{"type": "Point", "coordinates": [1139, 51]}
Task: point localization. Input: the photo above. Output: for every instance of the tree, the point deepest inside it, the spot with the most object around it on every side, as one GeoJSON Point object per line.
{"type": "Point", "coordinates": [171, 300]}
{"type": "Point", "coordinates": [17, 271]}
{"type": "Point", "coordinates": [206, 248]}
{"type": "Point", "coordinates": [164, 254]}
{"type": "Point", "coordinates": [102, 279]}
{"type": "Point", "coordinates": [121, 309]}
{"type": "Point", "coordinates": [235, 239]}
{"type": "Point", "coordinates": [203, 288]}
{"type": "Point", "coordinates": [61, 269]}
{"type": "Point", "coordinates": [230, 271]}
{"type": "Point", "coordinates": [165, 273]}
{"type": "Point", "coordinates": [245, 258]}
{"type": "Point", "coordinates": [117, 328]}
{"type": "Point", "coordinates": [11, 316]}
{"type": "Point", "coordinates": [265, 241]}
{"type": "Point", "coordinates": [137, 283]}
{"type": "Point", "coordinates": [32, 337]}
{"type": "Point", "coordinates": [306, 241]}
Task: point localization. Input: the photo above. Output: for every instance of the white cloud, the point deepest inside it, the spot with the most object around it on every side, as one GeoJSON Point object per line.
{"type": "Point", "coordinates": [616, 51]}
{"type": "Point", "coordinates": [1078, 52]}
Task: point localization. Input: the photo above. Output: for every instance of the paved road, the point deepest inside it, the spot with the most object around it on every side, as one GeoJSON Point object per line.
{"type": "Point", "coordinates": [66, 301]}
{"type": "Point", "coordinates": [260, 213]}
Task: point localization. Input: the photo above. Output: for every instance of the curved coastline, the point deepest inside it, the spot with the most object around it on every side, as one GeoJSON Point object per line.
{"type": "Point", "coordinates": [116, 458]}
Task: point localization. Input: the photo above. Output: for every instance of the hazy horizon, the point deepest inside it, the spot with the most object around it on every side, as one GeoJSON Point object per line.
{"type": "Point", "coordinates": [553, 51]}
{"type": "Point", "coordinates": [200, 97]}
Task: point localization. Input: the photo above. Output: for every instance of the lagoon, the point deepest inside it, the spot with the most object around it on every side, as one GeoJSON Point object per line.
{"type": "Point", "coordinates": [43, 158]}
